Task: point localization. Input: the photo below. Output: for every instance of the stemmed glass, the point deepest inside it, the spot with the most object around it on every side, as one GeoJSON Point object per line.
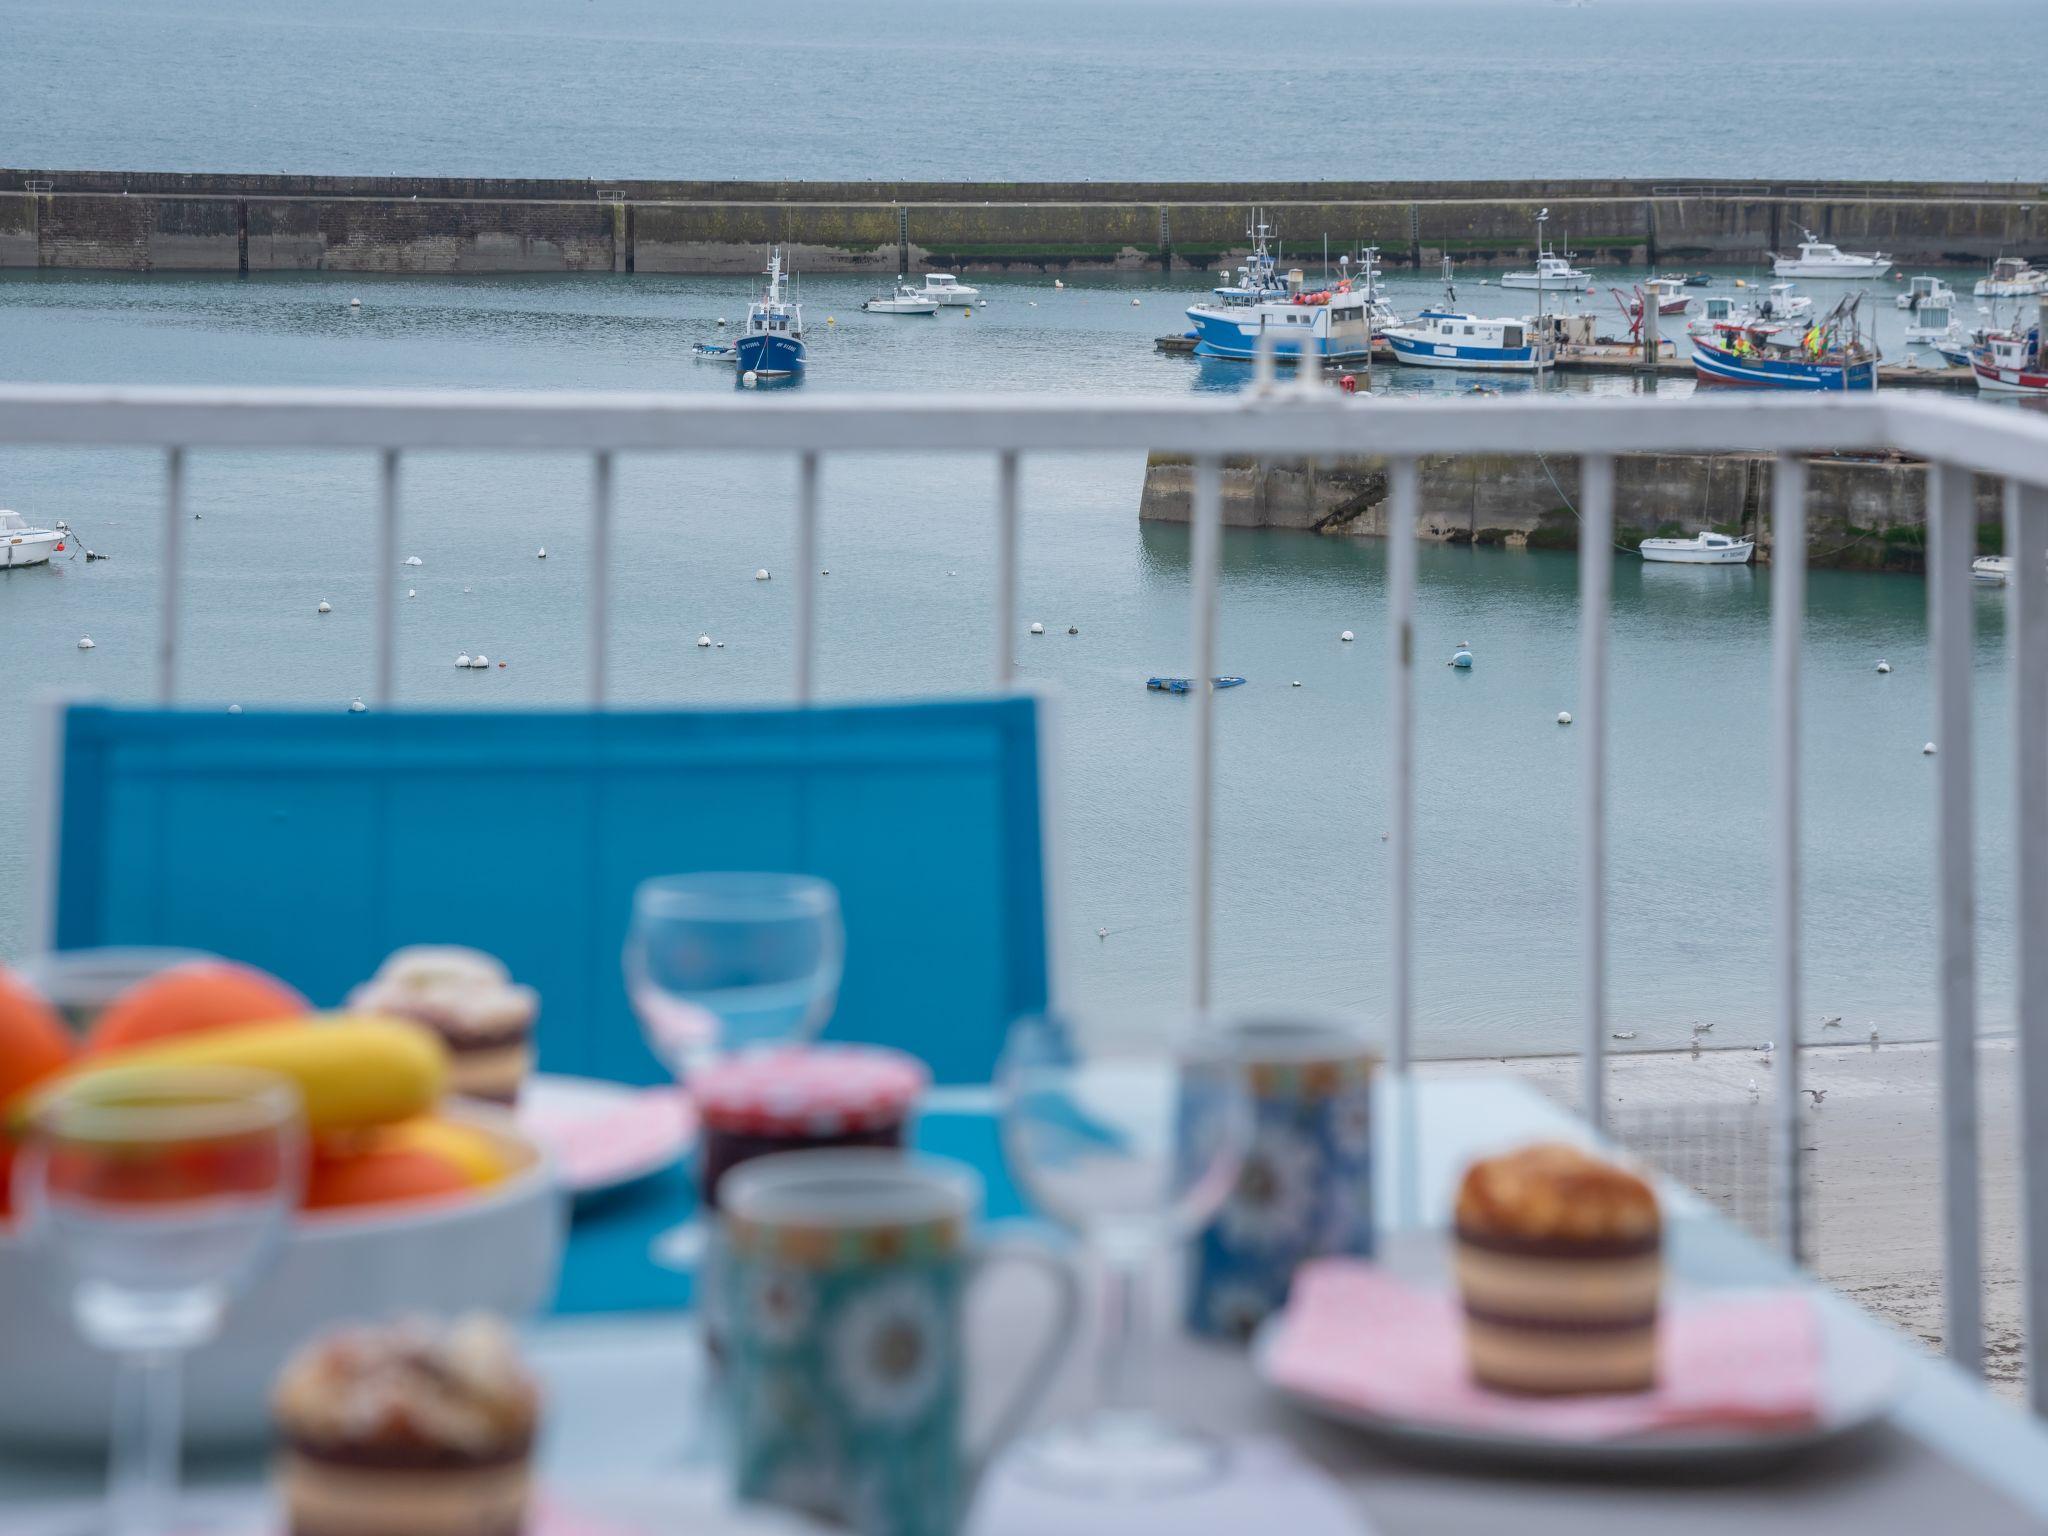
{"type": "Point", "coordinates": [156, 1196]}
{"type": "Point", "coordinates": [1131, 1132]}
{"type": "Point", "coordinates": [720, 962]}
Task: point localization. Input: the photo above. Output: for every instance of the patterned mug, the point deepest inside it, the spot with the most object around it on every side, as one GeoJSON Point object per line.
{"type": "Point", "coordinates": [844, 1273]}
{"type": "Point", "coordinates": [1306, 1186]}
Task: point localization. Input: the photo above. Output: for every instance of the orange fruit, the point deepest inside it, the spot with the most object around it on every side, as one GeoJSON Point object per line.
{"type": "Point", "coordinates": [471, 1150]}
{"type": "Point", "coordinates": [380, 1168]}
{"type": "Point", "coordinates": [198, 995]}
{"type": "Point", "coordinates": [33, 1041]}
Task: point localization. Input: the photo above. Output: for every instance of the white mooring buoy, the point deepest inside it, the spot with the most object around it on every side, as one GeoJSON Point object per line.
{"type": "Point", "coordinates": [234, 709]}
{"type": "Point", "coordinates": [325, 608]}
{"type": "Point", "coordinates": [1347, 635]}
{"type": "Point", "coordinates": [462, 660]}
{"type": "Point", "coordinates": [1037, 629]}
{"type": "Point", "coordinates": [761, 574]}
{"type": "Point", "coordinates": [1564, 717]}
{"type": "Point", "coordinates": [703, 642]}
{"type": "Point", "coordinates": [356, 706]}
{"type": "Point", "coordinates": [541, 553]}
{"type": "Point", "coordinates": [86, 643]}
{"type": "Point", "coordinates": [750, 378]}
{"type": "Point", "coordinates": [414, 560]}
{"type": "Point", "coordinates": [1928, 750]}
{"type": "Point", "coordinates": [355, 303]}
{"type": "Point", "coordinates": [1884, 666]}
{"type": "Point", "coordinates": [412, 591]}
{"type": "Point", "coordinates": [481, 661]}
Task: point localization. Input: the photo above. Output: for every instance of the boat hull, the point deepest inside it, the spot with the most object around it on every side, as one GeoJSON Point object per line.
{"type": "Point", "coordinates": [28, 548]}
{"type": "Point", "coordinates": [1529, 280]}
{"type": "Point", "coordinates": [1845, 271]}
{"type": "Point", "coordinates": [1420, 353]}
{"type": "Point", "coordinates": [1692, 554]}
{"type": "Point", "coordinates": [901, 306]}
{"type": "Point", "coordinates": [1218, 333]}
{"type": "Point", "coordinates": [770, 357]}
{"type": "Point", "coordinates": [1717, 365]}
{"type": "Point", "coordinates": [2009, 381]}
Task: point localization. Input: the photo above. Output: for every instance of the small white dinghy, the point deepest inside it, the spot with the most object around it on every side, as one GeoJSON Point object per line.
{"type": "Point", "coordinates": [1701, 549]}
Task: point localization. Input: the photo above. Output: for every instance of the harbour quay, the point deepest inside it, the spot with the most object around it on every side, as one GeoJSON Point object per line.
{"type": "Point", "coordinates": [163, 221]}
{"type": "Point", "coordinates": [1864, 512]}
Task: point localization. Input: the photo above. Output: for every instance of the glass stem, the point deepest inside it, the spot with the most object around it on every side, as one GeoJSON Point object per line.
{"type": "Point", "coordinates": [142, 1458]}
{"type": "Point", "coordinates": [1124, 1354]}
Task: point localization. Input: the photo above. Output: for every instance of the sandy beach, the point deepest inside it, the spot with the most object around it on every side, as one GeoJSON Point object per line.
{"type": "Point", "coordinates": [1873, 1171]}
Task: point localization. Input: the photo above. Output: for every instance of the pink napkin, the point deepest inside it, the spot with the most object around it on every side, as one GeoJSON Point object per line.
{"type": "Point", "coordinates": [593, 1149]}
{"type": "Point", "coordinates": [1356, 1336]}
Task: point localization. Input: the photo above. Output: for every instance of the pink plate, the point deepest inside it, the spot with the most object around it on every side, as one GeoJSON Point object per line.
{"type": "Point", "coordinates": [605, 1135]}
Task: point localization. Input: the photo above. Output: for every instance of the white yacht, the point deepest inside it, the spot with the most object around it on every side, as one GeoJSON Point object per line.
{"type": "Point", "coordinates": [1818, 258]}
{"type": "Point", "coordinates": [1781, 307]}
{"type": "Point", "coordinates": [1922, 291]}
{"type": "Point", "coordinates": [22, 545]}
{"type": "Point", "coordinates": [1932, 320]}
{"type": "Point", "coordinates": [1701, 549]}
{"type": "Point", "coordinates": [906, 300]}
{"type": "Point", "coordinates": [1553, 274]}
{"type": "Point", "coordinates": [945, 288]}
{"type": "Point", "coordinates": [1992, 570]}
{"type": "Point", "coordinates": [2012, 278]}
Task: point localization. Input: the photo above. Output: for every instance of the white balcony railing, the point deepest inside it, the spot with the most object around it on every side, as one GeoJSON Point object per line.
{"type": "Point", "coordinates": [1303, 420]}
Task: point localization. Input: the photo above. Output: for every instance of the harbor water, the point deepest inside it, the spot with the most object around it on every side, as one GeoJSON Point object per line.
{"type": "Point", "coordinates": [907, 608]}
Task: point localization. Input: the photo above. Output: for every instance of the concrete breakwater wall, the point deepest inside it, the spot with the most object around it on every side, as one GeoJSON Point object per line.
{"type": "Point", "coordinates": [151, 221]}
{"type": "Point", "coordinates": [1861, 513]}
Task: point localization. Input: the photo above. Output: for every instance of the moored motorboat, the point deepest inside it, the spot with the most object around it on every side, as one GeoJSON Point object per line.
{"type": "Point", "coordinates": [715, 352]}
{"type": "Point", "coordinates": [945, 288]}
{"type": "Point", "coordinates": [1442, 338]}
{"type": "Point", "coordinates": [1923, 292]}
{"type": "Point", "coordinates": [1820, 258]}
{"type": "Point", "coordinates": [1992, 570]}
{"type": "Point", "coordinates": [771, 343]}
{"type": "Point", "coordinates": [2012, 277]}
{"type": "Point", "coordinates": [905, 300]}
{"type": "Point", "coordinates": [1335, 324]}
{"type": "Point", "coordinates": [2010, 363]}
{"type": "Point", "coordinates": [1703, 548]}
{"type": "Point", "coordinates": [1553, 273]}
{"type": "Point", "coordinates": [21, 544]}
{"type": "Point", "coordinates": [1670, 294]}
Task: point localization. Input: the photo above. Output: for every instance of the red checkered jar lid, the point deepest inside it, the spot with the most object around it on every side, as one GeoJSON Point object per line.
{"type": "Point", "coordinates": [823, 1090]}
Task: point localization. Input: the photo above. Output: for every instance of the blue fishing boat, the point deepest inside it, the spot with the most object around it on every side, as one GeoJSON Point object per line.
{"type": "Point", "coordinates": [771, 343]}
{"type": "Point", "coordinates": [1183, 684]}
{"type": "Point", "coordinates": [1828, 355]}
{"type": "Point", "coordinates": [1264, 308]}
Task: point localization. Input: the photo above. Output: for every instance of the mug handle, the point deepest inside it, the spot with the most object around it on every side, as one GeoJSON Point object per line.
{"type": "Point", "coordinates": [1034, 1253]}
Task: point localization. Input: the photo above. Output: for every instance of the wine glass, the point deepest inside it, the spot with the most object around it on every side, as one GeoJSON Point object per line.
{"type": "Point", "coordinates": [157, 1194]}
{"type": "Point", "coordinates": [1130, 1131]}
{"type": "Point", "coordinates": [724, 962]}
{"type": "Point", "coordinates": [719, 962]}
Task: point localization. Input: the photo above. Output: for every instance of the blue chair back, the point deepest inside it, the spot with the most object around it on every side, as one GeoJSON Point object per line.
{"type": "Point", "coordinates": [314, 844]}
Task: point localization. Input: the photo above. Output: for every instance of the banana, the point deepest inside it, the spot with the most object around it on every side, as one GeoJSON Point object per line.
{"type": "Point", "coordinates": [351, 1070]}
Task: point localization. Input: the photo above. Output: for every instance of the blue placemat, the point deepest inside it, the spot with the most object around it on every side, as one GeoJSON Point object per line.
{"type": "Point", "coordinates": [607, 1268]}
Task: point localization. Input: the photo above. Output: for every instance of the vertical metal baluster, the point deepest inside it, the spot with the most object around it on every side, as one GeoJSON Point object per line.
{"type": "Point", "coordinates": [1207, 536]}
{"type": "Point", "coordinates": [600, 574]}
{"type": "Point", "coordinates": [1596, 578]}
{"type": "Point", "coordinates": [1788, 617]}
{"type": "Point", "coordinates": [806, 573]}
{"type": "Point", "coordinates": [174, 549]}
{"type": "Point", "coordinates": [1951, 545]}
{"type": "Point", "coordinates": [1403, 483]}
{"type": "Point", "coordinates": [2026, 618]}
{"type": "Point", "coordinates": [387, 578]}
{"type": "Point", "coordinates": [1006, 572]}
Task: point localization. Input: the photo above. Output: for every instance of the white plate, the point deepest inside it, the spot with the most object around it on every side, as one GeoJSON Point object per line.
{"type": "Point", "coordinates": [1859, 1384]}
{"type": "Point", "coordinates": [604, 1135]}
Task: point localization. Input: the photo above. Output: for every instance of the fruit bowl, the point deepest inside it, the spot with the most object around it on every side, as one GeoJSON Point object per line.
{"type": "Point", "coordinates": [496, 1249]}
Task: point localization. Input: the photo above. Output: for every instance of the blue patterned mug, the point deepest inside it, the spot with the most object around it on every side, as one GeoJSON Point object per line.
{"type": "Point", "coordinates": [1306, 1186]}
{"type": "Point", "coordinates": [843, 1277]}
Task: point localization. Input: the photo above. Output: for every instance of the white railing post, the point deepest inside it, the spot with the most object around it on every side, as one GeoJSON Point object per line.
{"type": "Point", "coordinates": [2026, 620]}
{"type": "Point", "coordinates": [1403, 493]}
{"type": "Point", "coordinates": [1006, 572]}
{"type": "Point", "coordinates": [1788, 620]}
{"type": "Point", "coordinates": [600, 575]}
{"type": "Point", "coordinates": [387, 578]}
{"type": "Point", "coordinates": [1207, 539]}
{"type": "Point", "coordinates": [1596, 580]}
{"type": "Point", "coordinates": [1951, 544]}
{"type": "Point", "coordinates": [174, 548]}
{"type": "Point", "coordinates": [806, 575]}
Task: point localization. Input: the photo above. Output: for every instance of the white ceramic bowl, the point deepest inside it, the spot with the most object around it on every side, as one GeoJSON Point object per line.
{"type": "Point", "coordinates": [499, 1251]}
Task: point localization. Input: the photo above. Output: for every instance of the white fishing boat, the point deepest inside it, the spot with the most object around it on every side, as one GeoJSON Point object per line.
{"type": "Point", "coordinates": [1781, 307]}
{"type": "Point", "coordinates": [1553, 274]}
{"type": "Point", "coordinates": [22, 545]}
{"type": "Point", "coordinates": [1819, 258]}
{"type": "Point", "coordinates": [906, 300]}
{"type": "Point", "coordinates": [1670, 294]}
{"type": "Point", "coordinates": [1441, 338]}
{"type": "Point", "coordinates": [1922, 291]}
{"type": "Point", "coordinates": [2012, 277]}
{"type": "Point", "coordinates": [1932, 324]}
{"type": "Point", "coordinates": [1701, 549]}
{"type": "Point", "coordinates": [945, 288]}
{"type": "Point", "coordinates": [2010, 363]}
{"type": "Point", "coordinates": [1335, 324]}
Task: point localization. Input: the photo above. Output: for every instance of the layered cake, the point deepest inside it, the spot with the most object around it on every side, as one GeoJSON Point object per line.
{"type": "Point", "coordinates": [1559, 1262]}
{"type": "Point", "coordinates": [407, 1430]}
{"type": "Point", "coordinates": [469, 1000]}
